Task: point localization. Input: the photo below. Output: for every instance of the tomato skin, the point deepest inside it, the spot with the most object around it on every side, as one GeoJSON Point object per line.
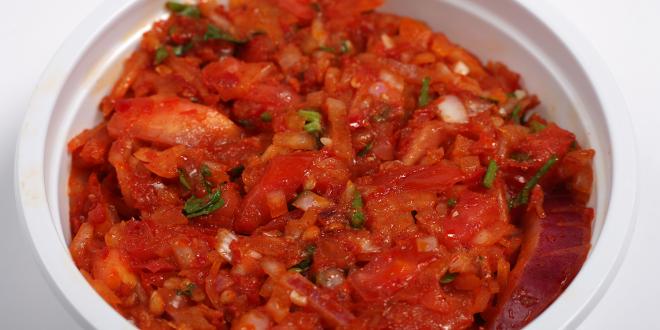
{"type": "Point", "coordinates": [473, 212]}
{"type": "Point", "coordinates": [388, 273]}
{"type": "Point", "coordinates": [437, 177]}
{"type": "Point", "coordinates": [283, 173]}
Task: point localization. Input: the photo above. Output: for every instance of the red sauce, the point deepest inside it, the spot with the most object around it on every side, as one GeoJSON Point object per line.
{"type": "Point", "coordinates": [316, 164]}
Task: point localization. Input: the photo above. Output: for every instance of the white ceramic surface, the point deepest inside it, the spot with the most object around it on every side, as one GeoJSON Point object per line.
{"type": "Point", "coordinates": [573, 85]}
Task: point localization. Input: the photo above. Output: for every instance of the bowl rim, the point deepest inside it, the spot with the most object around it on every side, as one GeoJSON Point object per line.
{"type": "Point", "coordinates": [89, 309]}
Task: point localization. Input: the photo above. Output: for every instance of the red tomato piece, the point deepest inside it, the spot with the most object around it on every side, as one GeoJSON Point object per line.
{"type": "Point", "coordinates": [388, 273]}
{"type": "Point", "coordinates": [283, 173]}
{"type": "Point", "coordinates": [473, 212]}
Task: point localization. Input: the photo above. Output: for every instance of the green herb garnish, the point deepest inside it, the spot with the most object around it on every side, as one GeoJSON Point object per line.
{"type": "Point", "coordinates": [523, 196]}
{"type": "Point", "coordinates": [515, 115]}
{"type": "Point", "coordinates": [536, 127]}
{"type": "Point", "coordinates": [327, 49]}
{"type": "Point", "coordinates": [213, 33]}
{"type": "Point", "coordinates": [183, 178]}
{"type": "Point", "coordinates": [266, 117]}
{"type": "Point", "coordinates": [345, 46]}
{"type": "Point", "coordinates": [315, 6]}
{"type": "Point", "coordinates": [448, 278]}
{"type": "Point", "coordinates": [206, 176]}
{"type": "Point", "coordinates": [365, 150]}
{"type": "Point", "coordinates": [424, 98]}
{"type": "Point", "coordinates": [488, 99]}
{"type": "Point", "coordinates": [307, 261]}
{"type": "Point", "coordinates": [245, 123]}
{"type": "Point", "coordinates": [181, 50]}
{"type": "Point", "coordinates": [188, 291]}
{"type": "Point", "coordinates": [357, 218]}
{"type": "Point", "coordinates": [451, 202]}
{"type": "Point", "coordinates": [161, 55]}
{"type": "Point", "coordinates": [312, 121]}
{"type": "Point", "coordinates": [183, 9]}
{"type": "Point", "coordinates": [491, 173]}
{"type": "Point", "coordinates": [195, 206]}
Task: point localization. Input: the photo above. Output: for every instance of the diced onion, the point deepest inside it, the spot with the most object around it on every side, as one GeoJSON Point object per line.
{"type": "Point", "coordinates": [452, 110]}
{"type": "Point", "coordinates": [330, 278]}
{"type": "Point", "coordinates": [427, 244]}
{"type": "Point", "coordinates": [461, 68]}
{"type": "Point", "coordinates": [326, 141]}
{"type": "Point", "coordinates": [184, 254]}
{"type": "Point", "coordinates": [298, 298]}
{"type": "Point", "coordinates": [272, 267]}
{"type": "Point", "coordinates": [254, 254]}
{"type": "Point", "coordinates": [276, 201]}
{"type": "Point", "coordinates": [387, 41]}
{"type": "Point", "coordinates": [395, 81]}
{"type": "Point", "coordinates": [254, 319]}
{"type": "Point", "coordinates": [367, 246]}
{"type": "Point", "coordinates": [519, 94]}
{"type": "Point", "coordinates": [224, 237]}
{"type": "Point", "coordinates": [295, 140]}
{"type": "Point", "coordinates": [308, 199]}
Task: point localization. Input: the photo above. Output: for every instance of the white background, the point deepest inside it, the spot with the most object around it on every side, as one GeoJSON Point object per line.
{"type": "Point", "coordinates": [625, 33]}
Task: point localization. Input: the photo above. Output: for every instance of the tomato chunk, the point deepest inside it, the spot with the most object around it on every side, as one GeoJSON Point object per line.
{"type": "Point", "coordinates": [283, 173]}
{"type": "Point", "coordinates": [388, 273]}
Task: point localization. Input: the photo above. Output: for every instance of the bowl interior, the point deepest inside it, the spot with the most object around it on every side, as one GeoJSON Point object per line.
{"type": "Point", "coordinates": [494, 30]}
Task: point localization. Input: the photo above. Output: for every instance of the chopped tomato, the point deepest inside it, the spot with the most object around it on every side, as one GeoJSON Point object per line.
{"type": "Point", "coordinates": [284, 173]}
{"type": "Point", "coordinates": [312, 164]}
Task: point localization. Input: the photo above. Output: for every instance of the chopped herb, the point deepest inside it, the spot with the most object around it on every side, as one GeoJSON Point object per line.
{"type": "Point", "coordinates": [536, 126]}
{"type": "Point", "coordinates": [451, 202]}
{"type": "Point", "coordinates": [161, 55]}
{"type": "Point", "coordinates": [183, 9]}
{"type": "Point", "coordinates": [357, 200]}
{"type": "Point", "coordinates": [236, 172]}
{"type": "Point", "coordinates": [486, 98]}
{"type": "Point", "coordinates": [511, 95]}
{"type": "Point", "coordinates": [523, 196]}
{"type": "Point", "coordinates": [307, 261]}
{"type": "Point", "coordinates": [187, 291]}
{"type": "Point", "coordinates": [424, 98]}
{"type": "Point", "coordinates": [491, 173]}
{"type": "Point", "coordinates": [358, 218]}
{"type": "Point", "coordinates": [206, 175]}
{"type": "Point", "coordinates": [213, 33]}
{"type": "Point", "coordinates": [345, 46]}
{"type": "Point", "coordinates": [266, 117]}
{"type": "Point", "coordinates": [312, 120]}
{"type": "Point", "coordinates": [181, 50]}
{"type": "Point", "coordinates": [574, 145]}
{"type": "Point", "coordinates": [515, 115]}
{"type": "Point", "coordinates": [315, 6]}
{"type": "Point", "coordinates": [519, 156]}
{"type": "Point", "coordinates": [365, 150]}
{"type": "Point", "coordinates": [182, 178]}
{"type": "Point", "coordinates": [195, 207]}
{"type": "Point", "coordinates": [327, 49]}
{"type": "Point", "coordinates": [245, 123]}
{"type": "Point", "coordinates": [258, 33]}
{"type": "Point", "coordinates": [448, 278]}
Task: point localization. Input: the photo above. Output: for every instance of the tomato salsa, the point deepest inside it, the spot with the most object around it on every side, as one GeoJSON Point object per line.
{"type": "Point", "coordinates": [310, 164]}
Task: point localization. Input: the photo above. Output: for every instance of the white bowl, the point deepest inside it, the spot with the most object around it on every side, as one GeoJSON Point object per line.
{"type": "Point", "coordinates": [575, 88]}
